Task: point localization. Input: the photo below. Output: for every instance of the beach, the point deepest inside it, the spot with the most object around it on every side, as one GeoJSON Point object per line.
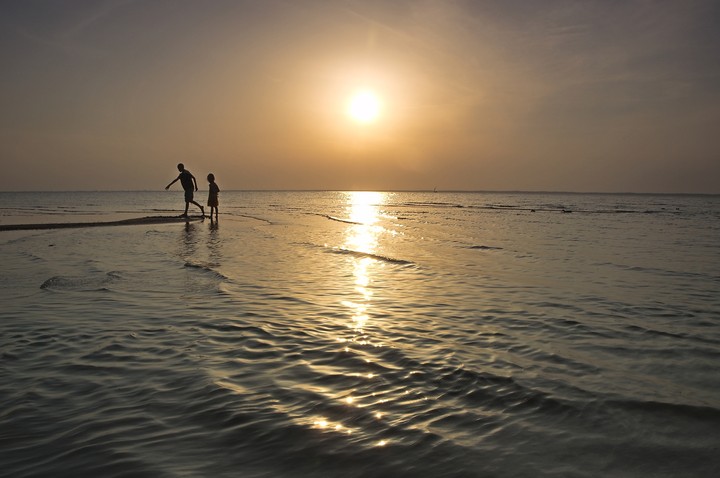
{"type": "Point", "coordinates": [359, 334]}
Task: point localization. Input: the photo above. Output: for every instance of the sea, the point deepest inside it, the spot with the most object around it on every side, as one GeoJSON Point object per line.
{"type": "Point", "coordinates": [360, 334]}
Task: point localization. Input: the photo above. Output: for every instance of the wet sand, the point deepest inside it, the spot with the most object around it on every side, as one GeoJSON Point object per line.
{"type": "Point", "coordinates": [124, 222]}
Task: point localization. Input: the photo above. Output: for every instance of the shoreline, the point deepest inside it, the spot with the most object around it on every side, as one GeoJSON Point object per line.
{"type": "Point", "coordinates": [123, 222]}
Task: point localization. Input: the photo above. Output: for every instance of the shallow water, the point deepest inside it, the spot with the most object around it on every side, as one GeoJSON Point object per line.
{"type": "Point", "coordinates": [362, 334]}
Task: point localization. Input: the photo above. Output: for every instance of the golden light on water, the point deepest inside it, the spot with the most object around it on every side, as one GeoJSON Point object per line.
{"type": "Point", "coordinates": [324, 424]}
{"type": "Point", "coordinates": [365, 269]}
{"type": "Point", "coordinates": [364, 206]}
{"type": "Point", "coordinates": [363, 211]}
{"type": "Point", "coordinates": [362, 236]}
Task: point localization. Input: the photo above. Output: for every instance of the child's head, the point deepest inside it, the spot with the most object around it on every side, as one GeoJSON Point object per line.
{"type": "Point", "coordinates": [211, 178]}
{"type": "Point", "coordinates": [181, 167]}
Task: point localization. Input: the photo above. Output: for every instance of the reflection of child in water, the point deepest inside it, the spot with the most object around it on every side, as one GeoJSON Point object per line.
{"type": "Point", "coordinates": [213, 196]}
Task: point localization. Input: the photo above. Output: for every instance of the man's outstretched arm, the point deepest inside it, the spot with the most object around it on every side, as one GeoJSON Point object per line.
{"type": "Point", "coordinates": [173, 182]}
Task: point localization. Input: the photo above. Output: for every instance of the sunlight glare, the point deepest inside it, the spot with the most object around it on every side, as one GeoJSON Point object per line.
{"type": "Point", "coordinates": [364, 106]}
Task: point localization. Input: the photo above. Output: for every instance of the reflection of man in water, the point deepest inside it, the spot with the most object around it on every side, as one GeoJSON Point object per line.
{"type": "Point", "coordinates": [189, 184]}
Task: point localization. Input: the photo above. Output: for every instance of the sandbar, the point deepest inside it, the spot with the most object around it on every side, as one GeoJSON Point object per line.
{"type": "Point", "coordinates": [124, 222]}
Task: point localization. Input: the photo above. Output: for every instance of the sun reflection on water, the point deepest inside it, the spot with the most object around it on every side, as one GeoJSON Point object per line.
{"type": "Point", "coordinates": [364, 212]}
{"type": "Point", "coordinates": [363, 234]}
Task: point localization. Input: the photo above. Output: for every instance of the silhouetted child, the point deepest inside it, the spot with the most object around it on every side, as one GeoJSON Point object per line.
{"type": "Point", "coordinates": [213, 195]}
{"type": "Point", "coordinates": [189, 184]}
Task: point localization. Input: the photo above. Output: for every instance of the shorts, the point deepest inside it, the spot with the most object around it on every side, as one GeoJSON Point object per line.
{"type": "Point", "coordinates": [188, 196]}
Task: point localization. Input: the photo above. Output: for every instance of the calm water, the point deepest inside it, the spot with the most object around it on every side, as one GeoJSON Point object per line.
{"type": "Point", "coordinates": [331, 334]}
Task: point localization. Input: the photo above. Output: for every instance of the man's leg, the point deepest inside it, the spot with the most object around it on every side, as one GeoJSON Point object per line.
{"type": "Point", "coordinates": [202, 209]}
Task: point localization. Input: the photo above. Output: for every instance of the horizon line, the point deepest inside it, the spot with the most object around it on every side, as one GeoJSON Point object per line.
{"type": "Point", "coordinates": [461, 191]}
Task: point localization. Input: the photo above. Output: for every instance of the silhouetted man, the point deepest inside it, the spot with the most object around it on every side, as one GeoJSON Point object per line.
{"type": "Point", "coordinates": [189, 184]}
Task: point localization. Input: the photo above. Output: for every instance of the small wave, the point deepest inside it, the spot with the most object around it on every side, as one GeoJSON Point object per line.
{"type": "Point", "coordinates": [378, 257]}
{"type": "Point", "coordinates": [207, 268]}
{"type": "Point", "coordinates": [429, 204]}
{"type": "Point", "coordinates": [701, 412]}
{"type": "Point", "coordinates": [485, 248]}
{"type": "Point", "coordinates": [660, 333]}
{"type": "Point", "coordinates": [662, 272]}
{"type": "Point", "coordinates": [339, 219]}
{"type": "Point", "coordinates": [268, 221]}
{"type": "Point", "coordinates": [80, 283]}
{"type": "Point", "coordinates": [495, 393]}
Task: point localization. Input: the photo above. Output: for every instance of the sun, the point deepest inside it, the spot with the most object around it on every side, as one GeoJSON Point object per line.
{"type": "Point", "coordinates": [364, 106]}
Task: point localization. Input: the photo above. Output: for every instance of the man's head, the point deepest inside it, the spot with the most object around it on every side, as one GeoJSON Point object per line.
{"type": "Point", "coordinates": [181, 167]}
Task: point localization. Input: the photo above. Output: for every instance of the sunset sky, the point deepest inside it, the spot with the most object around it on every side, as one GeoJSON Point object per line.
{"type": "Point", "coordinates": [604, 95]}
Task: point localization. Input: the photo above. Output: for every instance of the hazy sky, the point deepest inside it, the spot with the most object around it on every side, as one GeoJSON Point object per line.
{"type": "Point", "coordinates": [606, 95]}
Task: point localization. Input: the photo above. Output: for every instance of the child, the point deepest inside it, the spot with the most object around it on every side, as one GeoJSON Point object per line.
{"type": "Point", "coordinates": [189, 184]}
{"type": "Point", "coordinates": [213, 196]}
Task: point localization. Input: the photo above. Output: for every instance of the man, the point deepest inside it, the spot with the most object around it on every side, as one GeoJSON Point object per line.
{"type": "Point", "coordinates": [189, 184]}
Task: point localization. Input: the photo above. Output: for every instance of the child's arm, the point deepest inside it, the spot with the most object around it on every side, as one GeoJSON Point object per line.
{"type": "Point", "coordinates": [194, 182]}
